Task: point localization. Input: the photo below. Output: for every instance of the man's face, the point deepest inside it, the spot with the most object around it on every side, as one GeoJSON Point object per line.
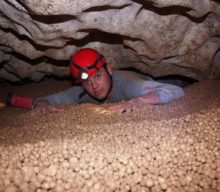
{"type": "Point", "coordinates": [99, 83]}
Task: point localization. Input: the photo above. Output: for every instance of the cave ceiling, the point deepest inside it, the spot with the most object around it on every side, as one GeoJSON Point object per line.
{"type": "Point", "coordinates": [157, 37]}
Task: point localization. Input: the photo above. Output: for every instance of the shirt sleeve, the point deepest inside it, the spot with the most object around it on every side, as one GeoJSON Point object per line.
{"type": "Point", "coordinates": [138, 87]}
{"type": "Point", "coordinates": [168, 92]}
{"type": "Point", "coordinates": [69, 96]}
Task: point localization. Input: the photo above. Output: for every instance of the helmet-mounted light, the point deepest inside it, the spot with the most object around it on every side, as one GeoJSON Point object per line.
{"type": "Point", "coordinates": [84, 75]}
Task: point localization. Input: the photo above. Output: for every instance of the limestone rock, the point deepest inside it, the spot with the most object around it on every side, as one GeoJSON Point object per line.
{"type": "Point", "coordinates": [156, 37]}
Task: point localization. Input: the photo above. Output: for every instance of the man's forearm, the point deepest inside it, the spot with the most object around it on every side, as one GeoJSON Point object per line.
{"type": "Point", "coordinates": [150, 98]}
{"type": "Point", "coordinates": [135, 103]}
{"type": "Point", "coordinates": [153, 98]}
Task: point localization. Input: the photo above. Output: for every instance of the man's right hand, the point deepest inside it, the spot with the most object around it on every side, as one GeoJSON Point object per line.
{"type": "Point", "coordinates": [44, 107]}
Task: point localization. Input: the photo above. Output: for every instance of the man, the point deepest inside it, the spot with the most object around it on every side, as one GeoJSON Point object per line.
{"type": "Point", "coordinates": [96, 82]}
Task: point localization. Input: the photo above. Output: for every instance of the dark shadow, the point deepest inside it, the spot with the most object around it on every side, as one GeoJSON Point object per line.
{"type": "Point", "coordinates": [2, 64]}
{"type": "Point", "coordinates": [97, 36]}
{"type": "Point", "coordinates": [105, 8]}
{"type": "Point", "coordinates": [174, 79]}
{"type": "Point", "coordinates": [217, 1]}
{"type": "Point", "coordinates": [53, 19]}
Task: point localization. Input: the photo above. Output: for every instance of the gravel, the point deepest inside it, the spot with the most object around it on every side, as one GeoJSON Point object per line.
{"type": "Point", "coordinates": [172, 148]}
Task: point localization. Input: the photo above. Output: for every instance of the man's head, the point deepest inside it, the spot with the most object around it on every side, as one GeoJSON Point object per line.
{"type": "Point", "coordinates": [89, 68]}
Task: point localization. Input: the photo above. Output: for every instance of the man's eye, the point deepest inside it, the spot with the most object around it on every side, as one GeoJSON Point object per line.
{"type": "Point", "coordinates": [98, 75]}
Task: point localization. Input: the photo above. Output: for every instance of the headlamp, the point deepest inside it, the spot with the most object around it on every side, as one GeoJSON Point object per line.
{"type": "Point", "coordinates": [84, 75]}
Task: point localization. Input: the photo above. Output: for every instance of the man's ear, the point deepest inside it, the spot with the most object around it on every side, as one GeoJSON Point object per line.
{"type": "Point", "coordinates": [109, 68]}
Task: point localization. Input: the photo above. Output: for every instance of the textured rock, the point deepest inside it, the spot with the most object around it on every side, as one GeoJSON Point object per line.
{"type": "Point", "coordinates": [157, 37]}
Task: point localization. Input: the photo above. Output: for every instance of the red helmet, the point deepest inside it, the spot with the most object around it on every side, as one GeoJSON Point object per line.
{"type": "Point", "coordinates": [85, 62]}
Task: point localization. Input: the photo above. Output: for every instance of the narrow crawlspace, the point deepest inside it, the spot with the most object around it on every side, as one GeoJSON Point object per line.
{"type": "Point", "coordinates": [109, 96]}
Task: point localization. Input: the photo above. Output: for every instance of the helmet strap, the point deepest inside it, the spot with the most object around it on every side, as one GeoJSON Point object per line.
{"type": "Point", "coordinates": [111, 82]}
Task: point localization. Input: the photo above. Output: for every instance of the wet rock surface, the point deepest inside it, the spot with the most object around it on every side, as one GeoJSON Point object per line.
{"type": "Point", "coordinates": [172, 147]}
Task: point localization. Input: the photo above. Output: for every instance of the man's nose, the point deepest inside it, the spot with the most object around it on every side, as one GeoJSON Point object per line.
{"type": "Point", "coordinates": [94, 84]}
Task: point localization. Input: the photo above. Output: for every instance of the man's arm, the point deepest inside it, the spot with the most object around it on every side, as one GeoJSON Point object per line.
{"type": "Point", "coordinates": [150, 92]}
{"type": "Point", "coordinates": [135, 103]}
{"type": "Point", "coordinates": [44, 107]}
{"type": "Point", "coordinates": [54, 102]}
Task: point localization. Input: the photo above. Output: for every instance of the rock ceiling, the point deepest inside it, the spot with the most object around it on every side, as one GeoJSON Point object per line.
{"type": "Point", "coordinates": [158, 37]}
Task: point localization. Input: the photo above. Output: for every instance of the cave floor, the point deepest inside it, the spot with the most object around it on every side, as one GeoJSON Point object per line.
{"type": "Point", "coordinates": [172, 147]}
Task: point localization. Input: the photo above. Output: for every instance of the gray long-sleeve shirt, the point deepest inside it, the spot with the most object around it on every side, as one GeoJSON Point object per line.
{"type": "Point", "coordinates": [126, 85]}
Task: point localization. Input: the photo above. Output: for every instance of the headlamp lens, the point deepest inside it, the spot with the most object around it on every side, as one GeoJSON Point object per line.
{"type": "Point", "coordinates": [84, 76]}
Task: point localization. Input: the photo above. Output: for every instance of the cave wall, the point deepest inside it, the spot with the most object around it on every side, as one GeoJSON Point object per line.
{"type": "Point", "coordinates": [157, 37]}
